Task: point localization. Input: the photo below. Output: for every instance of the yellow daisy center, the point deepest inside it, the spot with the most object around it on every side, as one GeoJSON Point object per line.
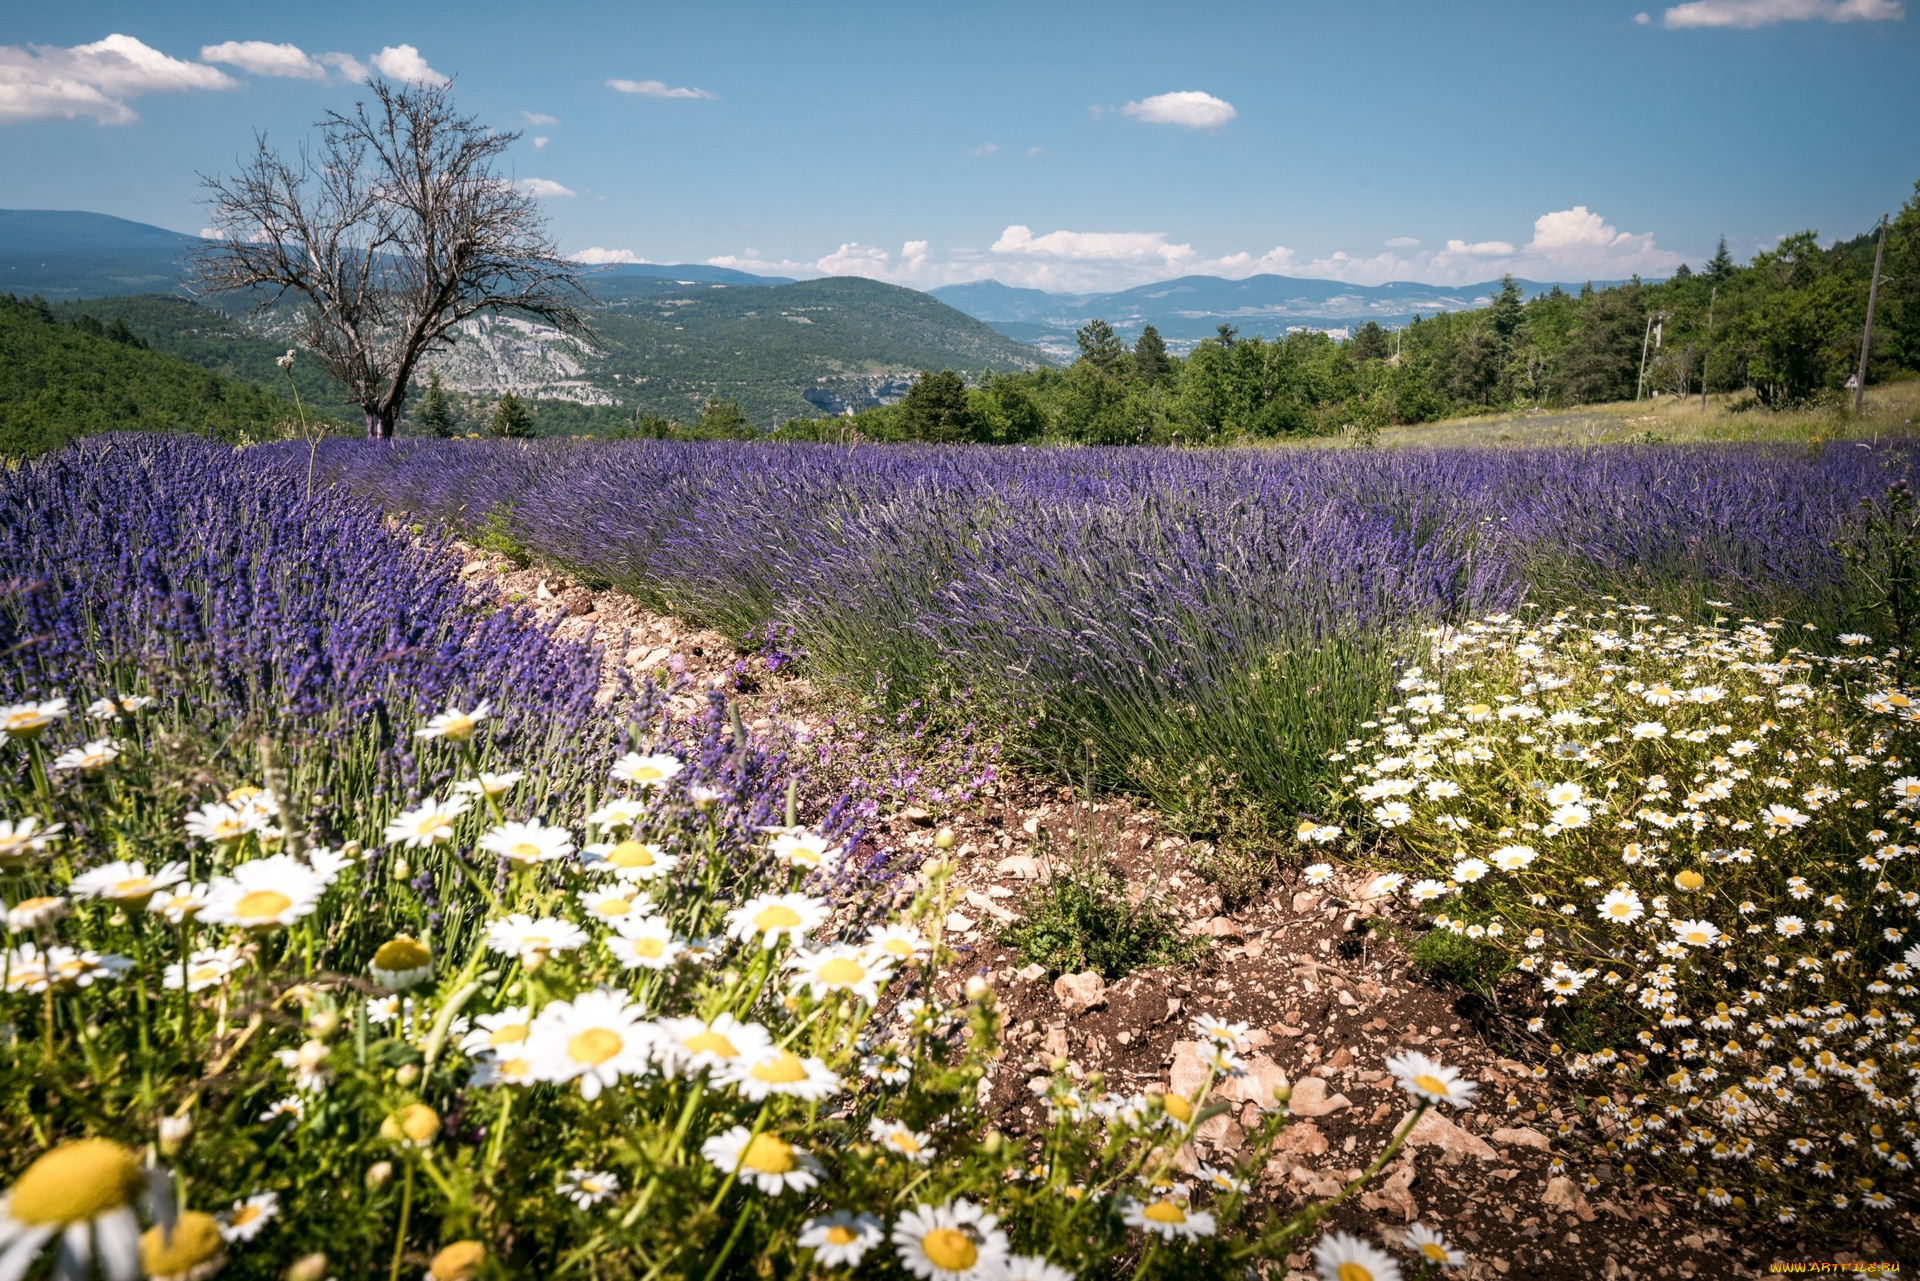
{"type": "Point", "coordinates": [842, 972]}
{"type": "Point", "coordinates": [1431, 1084]}
{"type": "Point", "coordinates": [195, 1240]}
{"type": "Point", "coordinates": [205, 974]}
{"type": "Point", "coordinates": [768, 1155]}
{"type": "Point", "coordinates": [401, 954]}
{"type": "Point", "coordinates": [631, 854]}
{"type": "Point", "coordinates": [244, 1215]}
{"type": "Point", "coordinates": [903, 1141]}
{"type": "Point", "coordinates": [457, 726]}
{"type": "Point", "coordinates": [261, 905]}
{"type": "Point", "coordinates": [74, 1183]}
{"type": "Point", "coordinates": [613, 905]}
{"type": "Point", "coordinates": [512, 1034]}
{"type": "Point", "coordinates": [898, 947]}
{"type": "Point", "coordinates": [1178, 1108]}
{"type": "Point", "coordinates": [515, 1067]}
{"type": "Point", "coordinates": [651, 948]}
{"type": "Point", "coordinates": [647, 774]}
{"type": "Point", "coordinates": [1351, 1271]}
{"type": "Point", "coordinates": [777, 917]}
{"type": "Point", "coordinates": [950, 1249]}
{"type": "Point", "coordinates": [1434, 1252]}
{"type": "Point", "coordinates": [783, 1068]}
{"type": "Point", "coordinates": [132, 887]}
{"type": "Point", "coordinates": [595, 1045]}
{"type": "Point", "coordinates": [838, 1235]}
{"type": "Point", "coordinates": [711, 1042]}
{"type": "Point", "coordinates": [458, 1262]}
{"type": "Point", "coordinates": [526, 852]}
{"type": "Point", "coordinates": [1164, 1212]}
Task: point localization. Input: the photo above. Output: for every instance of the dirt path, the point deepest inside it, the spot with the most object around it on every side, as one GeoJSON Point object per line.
{"type": "Point", "coordinates": [1327, 1001]}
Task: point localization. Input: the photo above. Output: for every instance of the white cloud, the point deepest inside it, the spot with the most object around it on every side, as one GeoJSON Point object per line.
{"type": "Point", "coordinates": [39, 82]}
{"type": "Point", "coordinates": [544, 188]}
{"type": "Point", "coordinates": [540, 144]}
{"type": "Point", "coordinates": [658, 89]}
{"type": "Point", "coordinates": [349, 67]}
{"type": "Point", "coordinates": [1188, 108]}
{"type": "Point", "coordinates": [403, 62]}
{"type": "Point", "coordinates": [984, 149]}
{"type": "Point", "coordinates": [265, 59]}
{"type": "Point", "coordinates": [1762, 13]}
{"type": "Point", "coordinates": [1483, 249]}
{"type": "Point", "coordinates": [598, 257]}
{"type": "Point", "coordinates": [1036, 151]}
{"type": "Point", "coordinates": [536, 118]}
{"type": "Point", "coordinates": [1402, 242]}
{"type": "Point", "coordinates": [1642, 19]}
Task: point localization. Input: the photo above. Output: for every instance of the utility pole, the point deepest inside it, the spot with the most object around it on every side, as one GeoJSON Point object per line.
{"type": "Point", "coordinates": [1712, 298]}
{"type": "Point", "coordinates": [1866, 335]}
{"type": "Point", "coordinates": [1640, 387]}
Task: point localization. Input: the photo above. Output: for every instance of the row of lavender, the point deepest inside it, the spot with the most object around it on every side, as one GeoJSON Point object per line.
{"type": "Point", "coordinates": [204, 577]}
{"type": "Point", "coordinates": [1135, 598]}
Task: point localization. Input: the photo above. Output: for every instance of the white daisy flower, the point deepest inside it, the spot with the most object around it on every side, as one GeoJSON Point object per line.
{"type": "Point", "coordinates": [1622, 906]}
{"type": "Point", "coordinates": [533, 941]}
{"type": "Point", "coordinates": [840, 1239]}
{"type": "Point", "coordinates": [264, 894]}
{"type": "Point", "coordinates": [902, 1141]}
{"type": "Point", "coordinates": [106, 709]}
{"type": "Point", "coordinates": [528, 844]}
{"type": "Point", "coordinates": [1339, 1257]}
{"type": "Point", "coordinates": [618, 815]}
{"type": "Point", "coordinates": [81, 1193]}
{"type": "Point", "coordinates": [1031, 1267]}
{"type": "Point", "coordinates": [615, 906]}
{"type": "Point", "coordinates": [1645, 730]}
{"type": "Point", "coordinates": [858, 970]}
{"type": "Point", "coordinates": [767, 1162]}
{"type": "Point", "coordinates": [651, 771]}
{"type": "Point", "coordinates": [218, 823]}
{"type": "Point", "coordinates": [30, 720]}
{"type": "Point", "coordinates": [1696, 933]}
{"type": "Point", "coordinates": [1170, 1217]}
{"type": "Point", "coordinates": [94, 755]}
{"type": "Point", "coordinates": [428, 823]}
{"type": "Point", "coordinates": [805, 848]}
{"type": "Point", "coordinates": [773, 918]}
{"type": "Point", "coordinates": [689, 1045]}
{"type": "Point", "coordinates": [1423, 1078]}
{"type": "Point", "coordinates": [21, 839]}
{"type": "Point", "coordinates": [207, 967]}
{"type": "Point", "coordinates": [245, 1221]}
{"type": "Point", "coordinates": [588, 1188]}
{"type": "Point", "coordinates": [1318, 873]}
{"type": "Point", "coordinates": [180, 903]}
{"type": "Point", "coordinates": [902, 943]}
{"type": "Point", "coordinates": [128, 883]}
{"type": "Point", "coordinates": [401, 963]}
{"type": "Point", "coordinates": [645, 942]}
{"type": "Point", "coordinates": [1565, 794]}
{"type": "Point", "coordinates": [1512, 858]}
{"type": "Point", "coordinates": [455, 725]}
{"type": "Point", "coordinates": [1425, 891]}
{"type": "Point", "coordinates": [494, 785]}
{"type": "Point", "coordinates": [630, 860]}
{"type": "Point", "coordinates": [1468, 870]}
{"type": "Point", "coordinates": [502, 1032]}
{"type": "Point", "coordinates": [782, 1072]}
{"type": "Point", "coordinates": [595, 1039]}
{"type": "Point", "coordinates": [956, 1241]}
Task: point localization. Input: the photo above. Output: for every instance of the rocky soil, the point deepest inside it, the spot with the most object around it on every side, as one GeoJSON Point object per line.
{"type": "Point", "coordinates": [1327, 999]}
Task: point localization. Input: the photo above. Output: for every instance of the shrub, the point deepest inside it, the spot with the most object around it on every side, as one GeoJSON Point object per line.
{"type": "Point", "coordinates": [1081, 919]}
{"type": "Point", "coordinates": [1699, 842]}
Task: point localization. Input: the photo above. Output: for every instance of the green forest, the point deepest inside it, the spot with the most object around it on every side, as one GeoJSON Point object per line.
{"type": "Point", "coordinates": [1782, 331]}
{"type": "Point", "coordinates": [76, 375]}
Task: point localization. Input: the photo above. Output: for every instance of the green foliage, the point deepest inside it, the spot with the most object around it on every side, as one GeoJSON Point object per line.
{"type": "Point", "coordinates": [62, 380]}
{"type": "Point", "coordinates": [936, 409]}
{"type": "Point", "coordinates": [494, 533]}
{"type": "Point", "coordinates": [1881, 550]}
{"type": "Point", "coordinates": [436, 416]}
{"type": "Point", "coordinates": [1081, 920]}
{"type": "Point", "coordinates": [1466, 963]}
{"type": "Point", "coordinates": [511, 418]}
{"type": "Point", "coordinates": [722, 420]}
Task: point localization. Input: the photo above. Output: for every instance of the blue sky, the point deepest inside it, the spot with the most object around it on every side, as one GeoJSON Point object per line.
{"type": "Point", "coordinates": [1065, 146]}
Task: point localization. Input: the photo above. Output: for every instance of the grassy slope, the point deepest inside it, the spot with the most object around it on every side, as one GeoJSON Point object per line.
{"type": "Point", "coordinates": [1890, 409]}
{"type": "Point", "coordinates": [57, 382]}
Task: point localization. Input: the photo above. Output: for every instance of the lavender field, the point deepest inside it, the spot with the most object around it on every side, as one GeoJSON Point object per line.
{"type": "Point", "coordinates": [1155, 610]}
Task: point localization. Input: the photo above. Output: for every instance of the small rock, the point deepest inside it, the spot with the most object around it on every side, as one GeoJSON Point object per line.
{"type": "Point", "coordinates": [1031, 827]}
{"type": "Point", "coordinates": [1524, 1137]}
{"type": "Point", "coordinates": [1310, 1099]}
{"type": "Point", "coordinates": [1033, 972]}
{"type": "Point", "coordinates": [1189, 1071]}
{"type": "Point", "coordinates": [1392, 1192]}
{"type": "Point", "coordinates": [1078, 993]}
{"type": "Point", "coordinates": [1223, 927]}
{"type": "Point", "coordinates": [1435, 1131]}
{"type": "Point", "coordinates": [1561, 1195]}
{"type": "Point", "coordinates": [472, 567]}
{"type": "Point", "coordinates": [1260, 1083]}
{"type": "Point", "coordinates": [917, 816]}
{"type": "Point", "coordinates": [1301, 1139]}
{"type": "Point", "coordinates": [1024, 866]}
{"type": "Point", "coordinates": [1305, 901]}
{"type": "Point", "coordinates": [958, 923]}
{"type": "Point", "coordinates": [974, 898]}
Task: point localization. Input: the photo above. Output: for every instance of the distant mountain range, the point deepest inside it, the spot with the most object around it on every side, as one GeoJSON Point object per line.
{"type": "Point", "coordinates": [1191, 308]}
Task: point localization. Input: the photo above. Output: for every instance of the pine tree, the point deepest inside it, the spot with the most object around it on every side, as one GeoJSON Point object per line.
{"type": "Point", "coordinates": [1721, 262]}
{"type": "Point", "coordinates": [511, 418]}
{"type": "Point", "coordinates": [436, 416]}
{"type": "Point", "coordinates": [1150, 362]}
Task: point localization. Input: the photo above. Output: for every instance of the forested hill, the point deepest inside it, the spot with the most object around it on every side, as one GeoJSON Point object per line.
{"type": "Point", "coordinates": [67, 378]}
{"type": "Point", "coordinates": [1783, 330]}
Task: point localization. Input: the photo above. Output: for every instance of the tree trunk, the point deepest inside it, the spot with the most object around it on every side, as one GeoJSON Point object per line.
{"type": "Point", "coordinates": [379, 423]}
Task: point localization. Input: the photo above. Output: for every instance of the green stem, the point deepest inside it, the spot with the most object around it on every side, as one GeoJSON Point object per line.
{"type": "Point", "coordinates": [400, 1236]}
{"type": "Point", "coordinates": [739, 1225]}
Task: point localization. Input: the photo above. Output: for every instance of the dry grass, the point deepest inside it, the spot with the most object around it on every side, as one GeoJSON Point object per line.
{"type": "Point", "coordinates": [1890, 410]}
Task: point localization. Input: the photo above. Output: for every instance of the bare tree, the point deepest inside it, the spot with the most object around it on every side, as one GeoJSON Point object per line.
{"type": "Point", "coordinates": [400, 228]}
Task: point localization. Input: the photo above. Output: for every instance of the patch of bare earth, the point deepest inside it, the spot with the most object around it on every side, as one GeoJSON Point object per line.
{"type": "Point", "coordinates": [1327, 1002]}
